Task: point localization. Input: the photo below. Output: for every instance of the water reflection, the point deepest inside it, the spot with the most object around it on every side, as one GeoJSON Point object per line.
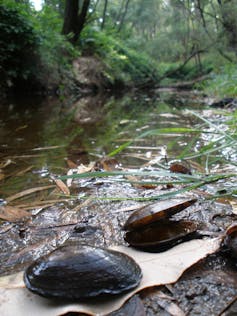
{"type": "Point", "coordinates": [42, 135]}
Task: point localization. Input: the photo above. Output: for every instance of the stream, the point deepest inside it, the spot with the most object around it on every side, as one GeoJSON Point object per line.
{"type": "Point", "coordinates": [41, 139]}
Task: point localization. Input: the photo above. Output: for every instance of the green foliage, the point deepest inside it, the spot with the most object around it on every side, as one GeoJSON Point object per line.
{"type": "Point", "coordinates": [222, 82]}
{"type": "Point", "coordinates": [123, 64]}
{"type": "Point", "coordinates": [32, 49]}
{"type": "Point", "coordinates": [18, 44]}
{"type": "Point", "coordinates": [55, 52]}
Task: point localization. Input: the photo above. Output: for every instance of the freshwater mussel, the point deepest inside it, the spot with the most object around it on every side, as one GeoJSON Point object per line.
{"type": "Point", "coordinates": [151, 228]}
{"type": "Point", "coordinates": [79, 272]}
{"type": "Point", "coordinates": [230, 240]}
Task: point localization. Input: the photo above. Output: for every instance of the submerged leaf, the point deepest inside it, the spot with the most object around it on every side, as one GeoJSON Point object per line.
{"type": "Point", "coordinates": [28, 192]}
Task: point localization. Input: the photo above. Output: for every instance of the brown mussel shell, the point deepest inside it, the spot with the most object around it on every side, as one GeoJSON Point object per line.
{"type": "Point", "coordinates": [162, 235]}
{"type": "Point", "coordinates": [155, 212]}
{"type": "Point", "coordinates": [230, 241]}
{"type": "Point", "coordinates": [76, 272]}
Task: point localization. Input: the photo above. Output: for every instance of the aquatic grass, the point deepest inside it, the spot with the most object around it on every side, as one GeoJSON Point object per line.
{"type": "Point", "coordinates": [175, 131]}
{"type": "Point", "coordinates": [102, 174]}
{"type": "Point", "coordinates": [200, 182]}
{"type": "Point", "coordinates": [224, 139]}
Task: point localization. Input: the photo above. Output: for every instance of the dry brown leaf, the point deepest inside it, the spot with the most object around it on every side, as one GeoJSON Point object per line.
{"type": "Point", "coordinates": [157, 268]}
{"type": "Point", "coordinates": [180, 168]}
{"type": "Point", "coordinates": [12, 213]}
{"type": "Point", "coordinates": [27, 192]}
{"type": "Point", "coordinates": [40, 204]}
{"type": "Point", "coordinates": [107, 164]}
{"type": "Point", "coordinates": [23, 171]}
{"type": "Point", "coordinates": [71, 164]}
{"type": "Point", "coordinates": [62, 186]}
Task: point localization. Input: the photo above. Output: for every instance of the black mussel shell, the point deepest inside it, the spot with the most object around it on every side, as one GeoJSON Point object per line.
{"type": "Point", "coordinates": [161, 236]}
{"type": "Point", "coordinates": [75, 272]}
{"type": "Point", "coordinates": [155, 212]}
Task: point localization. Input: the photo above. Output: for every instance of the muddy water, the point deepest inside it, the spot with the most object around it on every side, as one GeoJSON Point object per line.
{"type": "Point", "coordinates": [39, 138]}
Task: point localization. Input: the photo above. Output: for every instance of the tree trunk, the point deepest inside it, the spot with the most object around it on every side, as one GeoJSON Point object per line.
{"type": "Point", "coordinates": [104, 14]}
{"type": "Point", "coordinates": [74, 20]}
{"type": "Point", "coordinates": [228, 12]}
{"type": "Point", "coordinates": [121, 22]}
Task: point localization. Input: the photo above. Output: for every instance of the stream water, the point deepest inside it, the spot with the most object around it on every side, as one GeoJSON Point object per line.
{"type": "Point", "coordinates": [41, 134]}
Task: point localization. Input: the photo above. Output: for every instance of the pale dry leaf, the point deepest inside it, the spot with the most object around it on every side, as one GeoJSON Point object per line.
{"type": "Point", "coordinates": [234, 206]}
{"type": "Point", "coordinates": [79, 169]}
{"type": "Point", "coordinates": [62, 186]}
{"type": "Point", "coordinates": [157, 268]}
{"type": "Point", "coordinates": [69, 180]}
{"type": "Point", "coordinates": [12, 213]}
{"type": "Point", "coordinates": [47, 148]}
{"type": "Point", "coordinates": [5, 163]}
{"type": "Point", "coordinates": [82, 168]}
{"type": "Point", "coordinates": [168, 304]}
{"type": "Point", "coordinates": [12, 281]}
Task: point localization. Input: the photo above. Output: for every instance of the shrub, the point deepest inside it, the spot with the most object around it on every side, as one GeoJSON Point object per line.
{"type": "Point", "coordinates": [18, 45]}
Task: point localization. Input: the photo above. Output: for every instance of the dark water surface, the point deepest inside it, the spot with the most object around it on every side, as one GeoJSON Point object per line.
{"type": "Point", "coordinates": [40, 134]}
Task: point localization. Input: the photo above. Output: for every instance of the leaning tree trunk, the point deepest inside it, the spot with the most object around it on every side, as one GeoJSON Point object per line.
{"type": "Point", "coordinates": [74, 20]}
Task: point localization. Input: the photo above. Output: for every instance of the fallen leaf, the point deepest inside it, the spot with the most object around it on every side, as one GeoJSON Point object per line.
{"type": "Point", "coordinates": [71, 164]}
{"type": "Point", "coordinates": [12, 281]}
{"type": "Point", "coordinates": [12, 213]}
{"type": "Point", "coordinates": [40, 204]}
{"type": "Point", "coordinates": [23, 171]}
{"type": "Point", "coordinates": [5, 163]}
{"type": "Point", "coordinates": [47, 148]}
{"type": "Point", "coordinates": [27, 192]}
{"type": "Point", "coordinates": [107, 164]}
{"type": "Point", "coordinates": [157, 268]}
{"type": "Point", "coordinates": [69, 180]}
{"type": "Point", "coordinates": [82, 168]}
{"type": "Point", "coordinates": [180, 168]}
{"type": "Point", "coordinates": [62, 186]}
{"type": "Point", "coordinates": [234, 206]}
{"type": "Point", "coordinates": [168, 304]}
